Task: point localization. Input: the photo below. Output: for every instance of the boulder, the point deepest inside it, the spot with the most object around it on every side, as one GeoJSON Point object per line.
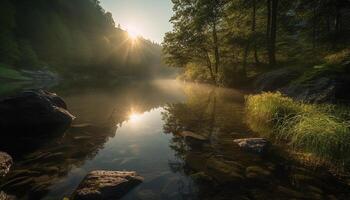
{"type": "Point", "coordinates": [194, 140]}
{"type": "Point", "coordinates": [5, 163]}
{"type": "Point", "coordinates": [320, 90]}
{"type": "Point", "coordinates": [106, 185]}
{"type": "Point", "coordinates": [274, 80]}
{"type": "Point", "coordinates": [224, 172]}
{"type": "Point", "coordinates": [257, 173]}
{"type": "Point", "coordinates": [4, 196]}
{"type": "Point", "coordinates": [255, 145]}
{"type": "Point", "coordinates": [34, 111]}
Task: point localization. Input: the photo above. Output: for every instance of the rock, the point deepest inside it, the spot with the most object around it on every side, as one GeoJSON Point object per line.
{"type": "Point", "coordinates": [255, 145]}
{"type": "Point", "coordinates": [106, 185]}
{"type": "Point", "coordinates": [4, 196]}
{"type": "Point", "coordinates": [276, 79]}
{"type": "Point", "coordinates": [34, 111]}
{"type": "Point", "coordinates": [319, 90]}
{"type": "Point", "coordinates": [202, 178]}
{"type": "Point", "coordinates": [256, 172]}
{"type": "Point", "coordinates": [5, 163]}
{"type": "Point", "coordinates": [223, 172]}
{"type": "Point", "coordinates": [193, 139]}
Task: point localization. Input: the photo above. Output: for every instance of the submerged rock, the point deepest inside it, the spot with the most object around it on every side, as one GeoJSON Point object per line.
{"type": "Point", "coordinates": [4, 196]}
{"type": "Point", "coordinates": [257, 172]}
{"type": "Point", "coordinates": [106, 185]}
{"type": "Point", "coordinates": [193, 139]}
{"type": "Point", "coordinates": [34, 111]}
{"type": "Point", "coordinates": [224, 172]}
{"type": "Point", "coordinates": [255, 145]}
{"type": "Point", "coordinates": [5, 163]}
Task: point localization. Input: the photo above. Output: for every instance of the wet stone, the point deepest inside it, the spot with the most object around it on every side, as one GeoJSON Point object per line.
{"type": "Point", "coordinates": [223, 172]}
{"type": "Point", "coordinates": [106, 185]}
{"type": "Point", "coordinates": [202, 178]}
{"type": "Point", "coordinates": [4, 196]}
{"type": "Point", "coordinates": [5, 163]}
{"type": "Point", "coordinates": [256, 172]}
{"type": "Point", "coordinates": [194, 140]}
{"type": "Point", "coordinates": [255, 145]}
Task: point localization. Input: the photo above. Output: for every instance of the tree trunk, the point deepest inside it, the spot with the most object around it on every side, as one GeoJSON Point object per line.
{"type": "Point", "coordinates": [253, 30]}
{"type": "Point", "coordinates": [268, 24]}
{"type": "Point", "coordinates": [216, 48]}
{"type": "Point", "coordinates": [245, 58]}
{"type": "Point", "coordinates": [272, 32]}
{"type": "Point", "coordinates": [209, 65]}
{"type": "Point", "coordinates": [314, 28]}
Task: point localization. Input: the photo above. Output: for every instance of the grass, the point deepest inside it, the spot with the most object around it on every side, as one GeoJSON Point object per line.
{"type": "Point", "coordinates": [7, 73]}
{"type": "Point", "coordinates": [320, 130]}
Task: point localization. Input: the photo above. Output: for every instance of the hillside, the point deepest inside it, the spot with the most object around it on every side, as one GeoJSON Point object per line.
{"type": "Point", "coordinates": [77, 39]}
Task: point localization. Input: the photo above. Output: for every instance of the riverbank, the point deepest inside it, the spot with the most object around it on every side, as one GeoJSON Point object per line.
{"type": "Point", "coordinates": [318, 131]}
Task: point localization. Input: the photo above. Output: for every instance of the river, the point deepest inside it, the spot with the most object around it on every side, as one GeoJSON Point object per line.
{"type": "Point", "coordinates": [135, 127]}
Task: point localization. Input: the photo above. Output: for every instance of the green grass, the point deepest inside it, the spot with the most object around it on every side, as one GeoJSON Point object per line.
{"type": "Point", "coordinates": [8, 73]}
{"type": "Point", "coordinates": [322, 130]}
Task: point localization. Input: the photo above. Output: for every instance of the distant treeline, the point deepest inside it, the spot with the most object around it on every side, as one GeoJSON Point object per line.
{"type": "Point", "coordinates": [218, 39]}
{"type": "Point", "coordinates": [74, 38]}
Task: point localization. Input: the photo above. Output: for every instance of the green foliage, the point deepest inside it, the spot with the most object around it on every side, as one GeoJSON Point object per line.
{"type": "Point", "coordinates": [245, 35]}
{"type": "Point", "coordinates": [322, 130]}
{"type": "Point", "coordinates": [75, 38]}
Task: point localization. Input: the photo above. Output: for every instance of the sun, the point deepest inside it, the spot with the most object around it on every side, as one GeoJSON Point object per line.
{"type": "Point", "coordinates": [133, 32]}
{"type": "Point", "coordinates": [133, 35]}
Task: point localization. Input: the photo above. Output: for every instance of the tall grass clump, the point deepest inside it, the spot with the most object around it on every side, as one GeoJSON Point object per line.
{"type": "Point", "coordinates": [322, 130]}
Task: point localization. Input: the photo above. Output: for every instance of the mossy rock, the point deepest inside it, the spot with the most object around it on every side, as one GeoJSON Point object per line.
{"type": "Point", "coordinates": [223, 172]}
{"type": "Point", "coordinates": [256, 172]}
{"type": "Point", "coordinates": [202, 178]}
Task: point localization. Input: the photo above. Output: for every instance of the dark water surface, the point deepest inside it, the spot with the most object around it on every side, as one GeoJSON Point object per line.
{"type": "Point", "coordinates": [135, 126]}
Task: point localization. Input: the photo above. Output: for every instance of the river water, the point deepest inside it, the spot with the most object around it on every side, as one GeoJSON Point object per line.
{"type": "Point", "coordinates": [135, 127]}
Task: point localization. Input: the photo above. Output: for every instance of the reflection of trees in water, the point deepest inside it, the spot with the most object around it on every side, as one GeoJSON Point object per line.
{"type": "Point", "coordinates": [221, 170]}
{"type": "Point", "coordinates": [207, 111]}
{"type": "Point", "coordinates": [99, 111]}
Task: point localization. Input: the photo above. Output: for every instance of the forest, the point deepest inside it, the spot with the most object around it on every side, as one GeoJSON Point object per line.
{"type": "Point", "coordinates": [228, 42]}
{"type": "Point", "coordinates": [76, 39]}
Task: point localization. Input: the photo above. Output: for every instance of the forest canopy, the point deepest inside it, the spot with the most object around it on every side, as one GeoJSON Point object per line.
{"type": "Point", "coordinates": [73, 38]}
{"type": "Point", "coordinates": [222, 40]}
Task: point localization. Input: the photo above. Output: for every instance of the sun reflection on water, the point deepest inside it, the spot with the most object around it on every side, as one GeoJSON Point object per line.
{"type": "Point", "coordinates": [135, 117]}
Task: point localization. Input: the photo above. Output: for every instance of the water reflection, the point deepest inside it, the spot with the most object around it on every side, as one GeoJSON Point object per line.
{"type": "Point", "coordinates": [220, 170]}
{"type": "Point", "coordinates": [137, 126]}
{"type": "Point", "coordinates": [54, 168]}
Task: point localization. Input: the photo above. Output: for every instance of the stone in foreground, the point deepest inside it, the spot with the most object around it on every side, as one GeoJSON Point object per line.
{"type": "Point", "coordinates": [5, 163]}
{"type": "Point", "coordinates": [255, 145]}
{"type": "Point", "coordinates": [34, 111]}
{"type": "Point", "coordinates": [105, 185]}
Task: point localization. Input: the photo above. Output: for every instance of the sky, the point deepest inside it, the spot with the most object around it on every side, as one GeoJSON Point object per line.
{"type": "Point", "coordinates": [148, 18]}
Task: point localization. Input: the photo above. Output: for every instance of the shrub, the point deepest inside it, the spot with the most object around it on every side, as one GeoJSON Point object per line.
{"type": "Point", "coordinates": [322, 130]}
